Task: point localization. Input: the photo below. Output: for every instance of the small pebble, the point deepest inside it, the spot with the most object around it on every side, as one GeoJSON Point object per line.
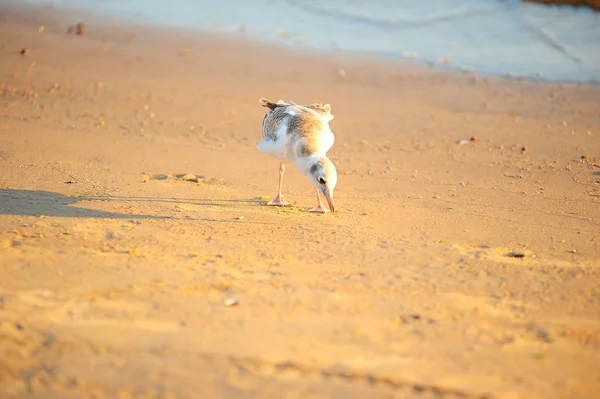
{"type": "Point", "coordinates": [231, 302]}
{"type": "Point", "coordinates": [78, 29]}
{"type": "Point", "coordinates": [517, 255]}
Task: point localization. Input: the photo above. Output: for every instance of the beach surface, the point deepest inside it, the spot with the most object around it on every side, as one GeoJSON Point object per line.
{"type": "Point", "coordinates": [138, 258]}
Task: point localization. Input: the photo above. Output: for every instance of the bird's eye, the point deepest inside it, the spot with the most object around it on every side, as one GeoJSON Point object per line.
{"type": "Point", "coordinates": [321, 180]}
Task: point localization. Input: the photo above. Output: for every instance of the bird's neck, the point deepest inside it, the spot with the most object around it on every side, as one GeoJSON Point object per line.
{"type": "Point", "coordinates": [307, 162]}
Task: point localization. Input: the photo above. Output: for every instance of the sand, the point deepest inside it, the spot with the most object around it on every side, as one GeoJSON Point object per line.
{"type": "Point", "coordinates": [138, 259]}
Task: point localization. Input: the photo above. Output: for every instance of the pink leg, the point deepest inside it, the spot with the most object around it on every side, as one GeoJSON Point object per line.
{"type": "Point", "coordinates": [319, 208]}
{"type": "Point", "coordinates": [279, 200]}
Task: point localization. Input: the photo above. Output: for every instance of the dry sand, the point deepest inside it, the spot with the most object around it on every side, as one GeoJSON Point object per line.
{"type": "Point", "coordinates": [455, 268]}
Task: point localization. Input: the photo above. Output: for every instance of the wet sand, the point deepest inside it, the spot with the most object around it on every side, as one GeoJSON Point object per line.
{"type": "Point", "coordinates": [464, 260]}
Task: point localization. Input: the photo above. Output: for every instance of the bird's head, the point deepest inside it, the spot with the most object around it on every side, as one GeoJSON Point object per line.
{"type": "Point", "coordinates": [323, 176]}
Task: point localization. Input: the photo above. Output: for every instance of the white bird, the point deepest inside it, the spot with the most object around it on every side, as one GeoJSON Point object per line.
{"type": "Point", "coordinates": [301, 135]}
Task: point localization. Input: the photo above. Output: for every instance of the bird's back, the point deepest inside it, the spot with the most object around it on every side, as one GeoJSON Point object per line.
{"type": "Point", "coordinates": [296, 130]}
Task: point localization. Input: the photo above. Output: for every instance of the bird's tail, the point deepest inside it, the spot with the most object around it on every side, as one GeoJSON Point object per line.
{"type": "Point", "coordinates": [265, 102]}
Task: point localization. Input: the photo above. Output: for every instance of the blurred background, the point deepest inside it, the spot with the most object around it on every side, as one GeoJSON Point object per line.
{"type": "Point", "coordinates": [491, 37]}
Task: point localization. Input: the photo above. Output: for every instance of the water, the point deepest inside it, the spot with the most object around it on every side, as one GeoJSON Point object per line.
{"type": "Point", "coordinates": [489, 37]}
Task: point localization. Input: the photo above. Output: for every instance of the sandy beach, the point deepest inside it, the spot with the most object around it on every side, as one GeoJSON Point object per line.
{"type": "Point", "coordinates": [138, 258]}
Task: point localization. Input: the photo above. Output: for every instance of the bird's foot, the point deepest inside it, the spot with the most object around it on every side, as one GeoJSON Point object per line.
{"type": "Point", "coordinates": [319, 209]}
{"type": "Point", "coordinates": [279, 201]}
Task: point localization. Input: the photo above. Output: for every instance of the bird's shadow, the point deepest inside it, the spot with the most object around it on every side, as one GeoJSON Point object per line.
{"type": "Point", "coordinates": [48, 203]}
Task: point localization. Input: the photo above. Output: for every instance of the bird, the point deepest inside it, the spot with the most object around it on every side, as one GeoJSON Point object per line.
{"type": "Point", "coordinates": [301, 135]}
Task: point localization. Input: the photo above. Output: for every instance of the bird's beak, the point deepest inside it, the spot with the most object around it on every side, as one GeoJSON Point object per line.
{"type": "Point", "coordinates": [329, 199]}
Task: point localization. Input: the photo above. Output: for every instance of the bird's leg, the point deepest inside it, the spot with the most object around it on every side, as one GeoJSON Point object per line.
{"type": "Point", "coordinates": [319, 208]}
{"type": "Point", "coordinates": [279, 200]}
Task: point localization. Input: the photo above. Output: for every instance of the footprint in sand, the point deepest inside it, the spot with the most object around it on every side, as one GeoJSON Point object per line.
{"type": "Point", "coordinates": [178, 178]}
{"type": "Point", "coordinates": [497, 254]}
